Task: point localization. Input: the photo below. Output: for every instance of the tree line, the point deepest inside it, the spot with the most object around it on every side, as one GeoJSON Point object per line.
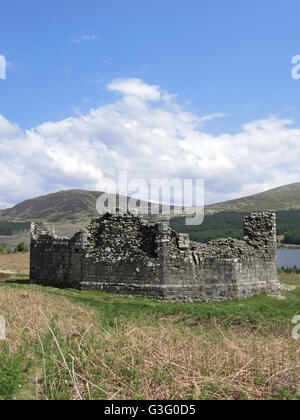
{"type": "Point", "coordinates": [13, 228]}
{"type": "Point", "coordinates": [7, 249]}
{"type": "Point", "coordinates": [230, 224]}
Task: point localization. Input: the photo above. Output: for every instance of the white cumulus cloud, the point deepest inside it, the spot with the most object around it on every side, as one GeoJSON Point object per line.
{"type": "Point", "coordinates": [84, 38]}
{"type": "Point", "coordinates": [138, 88]}
{"type": "Point", "coordinates": [146, 132]}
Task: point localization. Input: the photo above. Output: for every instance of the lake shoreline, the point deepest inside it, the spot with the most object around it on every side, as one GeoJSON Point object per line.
{"type": "Point", "coordinates": [288, 246]}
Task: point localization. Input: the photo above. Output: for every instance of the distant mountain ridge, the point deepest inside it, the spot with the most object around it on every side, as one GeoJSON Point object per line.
{"type": "Point", "coordinates": [80, 205]}
{"type": "Point", "coordinates": [286, 197]}
{"type": "Point", "coordinates": [65, 206]}
{"type": "Point", "coordinates": [68, 205]}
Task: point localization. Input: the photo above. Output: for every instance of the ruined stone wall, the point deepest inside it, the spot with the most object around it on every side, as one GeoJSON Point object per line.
{"type": "Point", "coordinates": [124, 254]}
{"type": "Point", "coordinates": [117, 253]}
{"type": "Point", "coordinates": [54, 261]}
{"type": "Point", "coordinates": [223, 269]}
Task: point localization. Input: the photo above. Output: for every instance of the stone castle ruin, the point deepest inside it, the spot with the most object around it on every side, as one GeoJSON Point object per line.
{"type": "Point", "coordinates": [122, 253]}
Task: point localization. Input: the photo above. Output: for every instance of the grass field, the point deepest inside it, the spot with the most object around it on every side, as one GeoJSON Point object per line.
{"type": "Point", "coordinates": [68, 344]}
{"type": "Point", "coordinates": [15, 264]}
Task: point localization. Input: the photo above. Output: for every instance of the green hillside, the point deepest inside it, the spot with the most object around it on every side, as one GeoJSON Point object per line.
{"type": "Point", "coordinates": [286, 197]}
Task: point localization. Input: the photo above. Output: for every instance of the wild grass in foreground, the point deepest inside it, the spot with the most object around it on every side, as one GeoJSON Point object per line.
{"type": "Point", "coordinates": [67, 344]}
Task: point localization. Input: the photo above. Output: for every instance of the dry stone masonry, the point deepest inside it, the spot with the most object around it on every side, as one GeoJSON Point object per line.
{"type": "Point", "coordinates": [122, 253]}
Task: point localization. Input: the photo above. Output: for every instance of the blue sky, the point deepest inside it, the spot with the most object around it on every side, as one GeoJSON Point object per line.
{"type": "Point", "coordinates": [230, 58]}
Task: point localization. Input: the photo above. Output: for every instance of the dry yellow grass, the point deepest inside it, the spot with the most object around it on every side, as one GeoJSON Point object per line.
{"type": "Point", "coordinates": [28, 313]}
{"type": "Point", "coordinates": [164, 362]}
{"type": "Point", "coordinates": [76, 357]}
{"type": "Point", "coordinates": [15, 263]}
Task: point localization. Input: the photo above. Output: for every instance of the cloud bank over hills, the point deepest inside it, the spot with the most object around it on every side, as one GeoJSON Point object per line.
{"type": "Point", "coordinates": [148, 133]}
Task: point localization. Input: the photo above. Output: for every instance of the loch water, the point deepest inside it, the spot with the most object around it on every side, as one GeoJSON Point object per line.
{"type": "Point", "coordinates": [288, 257]}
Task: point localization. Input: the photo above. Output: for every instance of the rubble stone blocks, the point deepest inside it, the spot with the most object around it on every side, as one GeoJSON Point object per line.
{"type": "Point", "coordinates": [124, 254]}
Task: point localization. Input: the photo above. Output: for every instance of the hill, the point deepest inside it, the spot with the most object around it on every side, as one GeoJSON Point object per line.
{"type": "Point", "coordinates": [64, 206]}
{"type": "Point", "coordinates": [286, 197]}
{"type": "Point", "coordinates": [80, 205]}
